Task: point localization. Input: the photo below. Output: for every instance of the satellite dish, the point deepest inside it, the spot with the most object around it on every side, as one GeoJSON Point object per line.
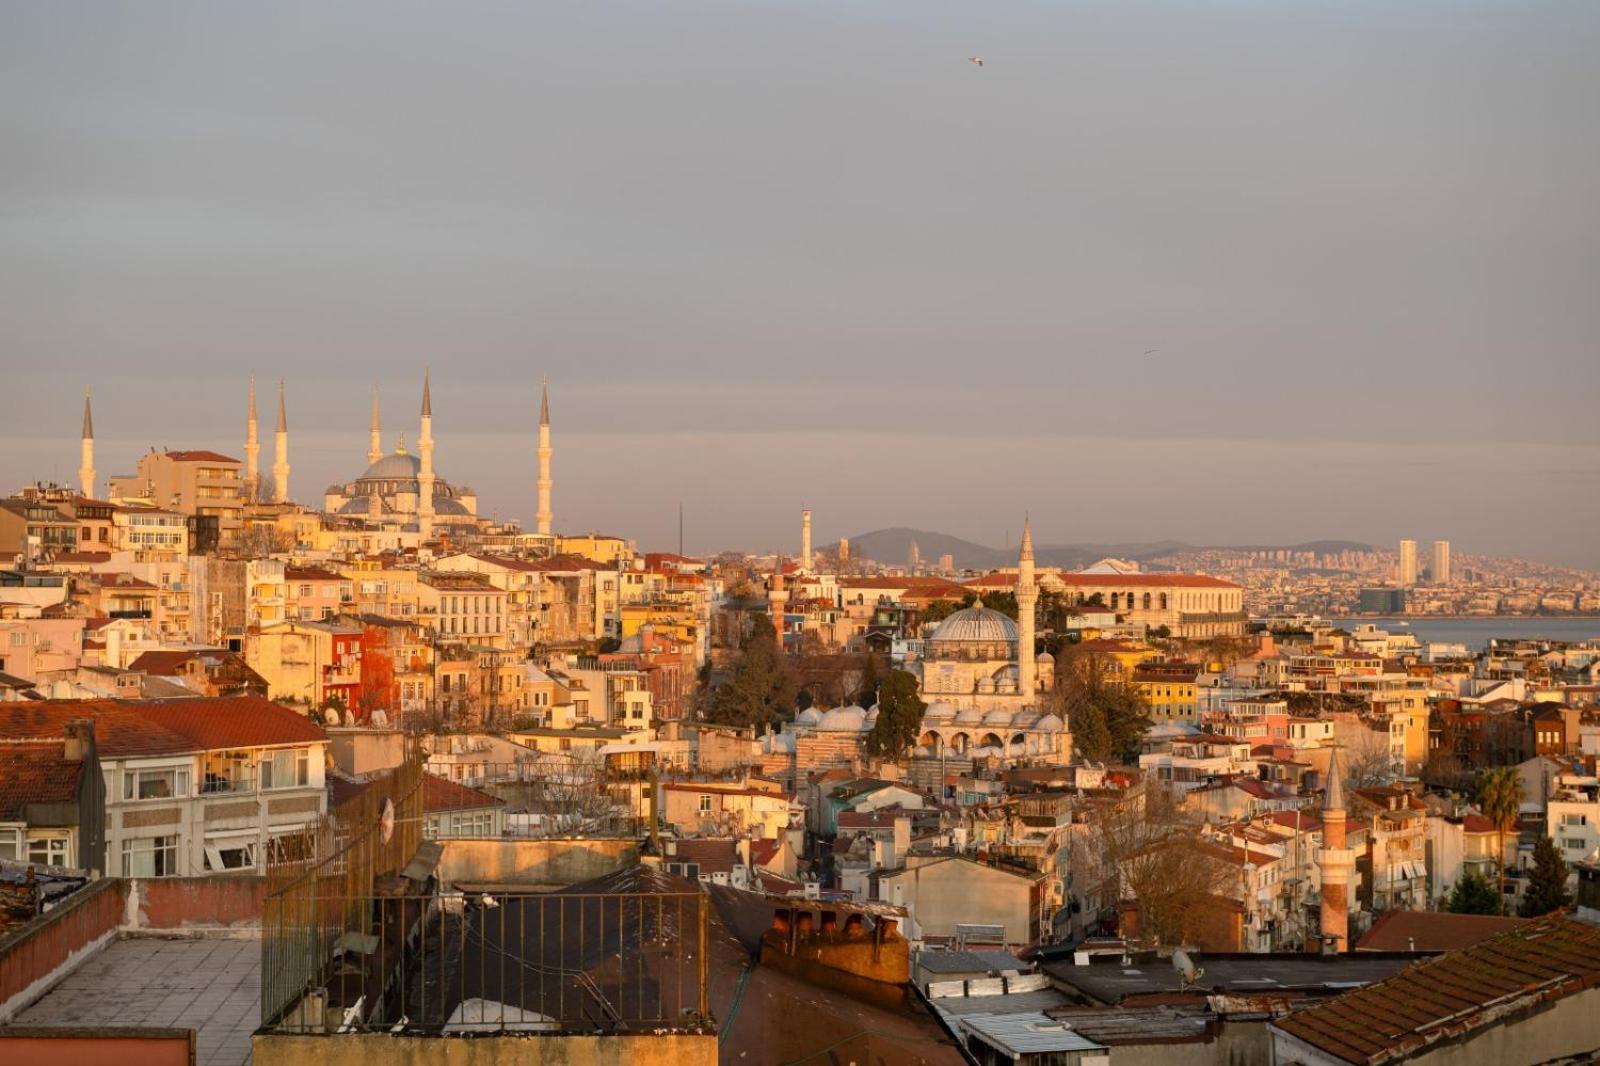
{"type": "Point", "coordinates": [386, 820]}
{"type": "Point", "coordinates": [1188, 972]}
{"type": "Point", "coordinates": [331, 716]}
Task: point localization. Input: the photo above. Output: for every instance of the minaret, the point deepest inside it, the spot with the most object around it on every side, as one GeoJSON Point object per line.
{"type": "Point", "coordinates": [375, 441]}
{"type": "Point", "coordinates": [86, 451]}
{"type": "Point", "coordinates": [544, 517]}
{"type": "Point", "coordinates": [425, 470]}
{"type": "Point", "coordinates": [1337, 862]}
{"type": "Point", "coordinates": [805, 540]}
{"type": "Point", "coordinates": [1027, 600]}
{"type": "Point", "coordinates": [280, 462]}
{"type": "Point", "coordinates": [252, 448]}
{"type": "Point", "coordinates": [777, 597]}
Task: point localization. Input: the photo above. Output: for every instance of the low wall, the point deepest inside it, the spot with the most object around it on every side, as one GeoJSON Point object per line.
{"type": "Point", "coordinates": [533, 862]}
{"type": "Point", "coordinates": [97, 1047]}
{"type": "Point", "coordinates": [194, 904]}
{"type": "Point", "coordinates": [361, 1049]}
{"type": "Point", "coordinates": [40, 952]}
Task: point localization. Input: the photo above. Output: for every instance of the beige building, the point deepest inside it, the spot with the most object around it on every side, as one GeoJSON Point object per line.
{"type": "Point", "coordinates": [193, 482]}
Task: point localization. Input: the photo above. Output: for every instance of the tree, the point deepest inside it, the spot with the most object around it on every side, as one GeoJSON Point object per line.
{"type": "Point", "coordinates": [1368, 761]}
{"type": "Point", "coordinates": [1500, 796]}
{"type": "Point", "coordinates": [760, 687]}
{"type": "Point", "coordinates": [1473, 894]}
{"type": "Point", "coordinates": [939, 610]}
{"type": "Point", "coordinates": [1107, 719]}
{"type": "Point", "coordinates": [259, 540]}
{"type": "Point", "coordinates": [899, 719]}
{"type": "Point", "coordinates": [1003, 601]}
{"type": "Point", "coordinates": [1547, 884]}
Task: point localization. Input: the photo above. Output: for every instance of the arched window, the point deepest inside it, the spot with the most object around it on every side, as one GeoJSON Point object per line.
{"type": "Point", "coordinates": [1147, 601]}
{"type": "Point", "coordinates": [1163, 601]}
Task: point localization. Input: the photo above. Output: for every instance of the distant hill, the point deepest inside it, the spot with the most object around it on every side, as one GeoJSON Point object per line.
{"type": "Point", "coordinates": [893, 547]}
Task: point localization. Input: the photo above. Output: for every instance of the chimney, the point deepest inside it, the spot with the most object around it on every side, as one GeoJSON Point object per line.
{"type": "Point", "coordinates": [80, 740]}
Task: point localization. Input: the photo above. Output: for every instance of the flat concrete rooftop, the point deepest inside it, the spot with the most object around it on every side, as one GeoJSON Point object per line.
{"type": "Point", "coordinates": [212, 986]}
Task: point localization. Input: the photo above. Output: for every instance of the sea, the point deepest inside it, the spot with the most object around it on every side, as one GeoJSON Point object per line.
{"type": "Point", "coordinates": [1476, 632]}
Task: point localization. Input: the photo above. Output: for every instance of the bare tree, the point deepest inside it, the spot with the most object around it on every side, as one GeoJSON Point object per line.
{"type": "Point", "coordinates": [1368, 761]}
{"type": "Point", "coordinates": [257, 541]}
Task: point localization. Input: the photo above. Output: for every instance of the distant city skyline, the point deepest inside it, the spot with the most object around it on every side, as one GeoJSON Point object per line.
{"type": "Point", "coordinates": [812, 256]}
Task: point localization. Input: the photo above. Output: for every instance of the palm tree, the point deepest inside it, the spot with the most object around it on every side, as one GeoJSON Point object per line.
{"type": "Point", "coordinates": [1500, 796]}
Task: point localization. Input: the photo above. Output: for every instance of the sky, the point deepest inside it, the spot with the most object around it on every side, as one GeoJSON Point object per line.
{"type": "Point", "coordinates": [774, 255]}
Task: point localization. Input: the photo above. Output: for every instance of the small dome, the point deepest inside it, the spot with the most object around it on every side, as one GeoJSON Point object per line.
{"type": "Point", "coordinates": [1049, 724]}
{"type": "Point", "coordinates": [1044, 657]}
{"type": "Point", "coordinates": [985, 684]}
{"type": "Point", "coordinates": [997, 717]}
{"type": "Point", "coordinates": [938, 712]}
{"type": "Point", "coordinates": [975, 624]}
{"type": "Point", "coordinates": [872, 716]}
{"type": "Point", "coordinates": [809, 717]}
{"type": "Point", "coordinates": [843, 720]}
{"type": "Point", "coordinates": [970, 716]}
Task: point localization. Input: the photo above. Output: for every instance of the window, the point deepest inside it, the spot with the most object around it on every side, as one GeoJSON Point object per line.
{"type": "Point", "coordinates": [8, 843]}
{"type": "Point", "coordinates": [155, 784]}
{"type": "Point", "coordinates": [705, 804]}
{"type": "Point", "coordinates": [235, 853]}
{"type": "Point", "coordinates": [48, 849]}
{"type": "Point", "coordinates": [150, 857]}
{"type": "Point", "coordinates": [286, 769]}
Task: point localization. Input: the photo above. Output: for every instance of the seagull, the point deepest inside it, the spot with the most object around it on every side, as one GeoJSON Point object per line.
{"type": "Point", "coordinates": [1151, 351]}
{"type": "Point", "coordinates": [975, 59]}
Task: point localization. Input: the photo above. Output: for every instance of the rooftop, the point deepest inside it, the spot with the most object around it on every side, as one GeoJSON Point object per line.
{"type": "Point", "coordinates": [1107, 980]}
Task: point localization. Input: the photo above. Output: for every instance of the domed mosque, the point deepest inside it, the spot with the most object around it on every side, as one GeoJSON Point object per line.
{"type": "Point", "coordinates": [983, 697]}
{"type": "Point", "coordinates": [402, 489]}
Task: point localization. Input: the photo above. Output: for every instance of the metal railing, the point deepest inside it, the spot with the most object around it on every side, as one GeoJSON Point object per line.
{"type": "Point", "coordinates": [524, 962]}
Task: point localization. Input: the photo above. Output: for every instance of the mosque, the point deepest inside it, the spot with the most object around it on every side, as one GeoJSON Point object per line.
{"type": "Point", "coordinates": [401, 488]}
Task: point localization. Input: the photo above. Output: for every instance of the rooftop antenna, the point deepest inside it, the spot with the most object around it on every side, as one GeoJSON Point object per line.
{"type": "Point", "coordinates": [680, 527]}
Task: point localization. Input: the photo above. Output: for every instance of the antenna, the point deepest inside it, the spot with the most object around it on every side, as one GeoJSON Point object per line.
{"type": "Point", "coordinates": [680, 527]}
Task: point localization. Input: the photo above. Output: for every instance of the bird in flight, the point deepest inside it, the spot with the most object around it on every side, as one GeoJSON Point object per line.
{"type": "Point", "coordinates": [1151, 351]}
{"type": "Point", "coordinates": [975, 59]}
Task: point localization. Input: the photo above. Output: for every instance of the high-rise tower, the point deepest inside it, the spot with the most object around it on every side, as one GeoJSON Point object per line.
{"type": "Point", "coordinates": [1027, 600]}
{"type": "Point", "coordinates": [805, 540]}
{"type": "Point", "coordinates": [544, 518]}
{"type": "Point", "coordinates": [1408, 563]}
{"type": "Point", "coordinates": [280, 462]}
{"type": "Point", "coordinates": [425, 477]}
{"type": "Point", "coordinates": [86, 451]}
{"type": "Point", "coordinates": [375, 438]}
{"type": "Point", "coordinates": [252, 448]}
{"type": "Point", "coordinates": [1441, 562]}
{"type": "Point", "coordinates": [1337, 862]}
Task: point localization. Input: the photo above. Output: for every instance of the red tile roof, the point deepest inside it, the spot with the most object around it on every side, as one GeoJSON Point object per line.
{"type": "Point", "coordinates": [200, 455]}
{"type": "Point", "coordinates": [715, 856]}
{"type": "Point", "coordinates": [442, 794]}
{"type": "Point", "coordinates": [166, 663]}
{"type": "Point", "coordinates": [1116, 581]}
{"type": "Point", "coordinates": [129, 728]}
{"type": "Point", "coordinates": [1453, 996]}
{"type": "Point", "coordinates": [311, 573]}
{"type": "Point", "coordinates": [1433, 930]}
{"type": "Point", "coordinates": [35, 772]}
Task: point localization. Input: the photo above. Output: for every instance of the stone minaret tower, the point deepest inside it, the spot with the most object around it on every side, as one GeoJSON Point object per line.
{"type": "Point", "coordinates": [375, 441]}
{"type": "Point", "coordinates": [1337, 862]}
{"type": "Point", "coordinates": [805, 540]}
{"type": "Point", "coordinates": [777, 598]}
{"type": "Point", "coordinates": [544, 518]}
{"type": "Point", "coordinates": [280, 462]}
{"type": "Point", "coordinates": [425, 470]}
{"type": "Point", "coordinates": [252, 449]}
{"type": "Point", "coordinates": [1027, 600]}
{"type": "Point", "coordinates": [86, 451]}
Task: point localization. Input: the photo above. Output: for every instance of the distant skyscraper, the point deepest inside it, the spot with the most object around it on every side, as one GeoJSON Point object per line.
{"type": "Point", "coordinates": [1441, 562]}
{"type": "Point", "coordinates": [1408, 563]}
{"type": "Point", "coordinates": [916, 559]}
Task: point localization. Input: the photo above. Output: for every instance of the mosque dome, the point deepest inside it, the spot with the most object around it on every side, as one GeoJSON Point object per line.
{"type": "Point", "coordinates": [938, 712]}
{"type": "Point", "coordinates": [970, 716]}
{"type": "Point", "coordinates": [843, 720]}
{"type": "Point", "coordinates": [975, 624]}
{"type": "Point", "coordinates": [808, 717]}
{"type": "Point", "coordinates": [1049, 724]}
{"type": "Point", "coordinates": [398, 466]}
{"type": "Point", "coordinates": [997, 717]}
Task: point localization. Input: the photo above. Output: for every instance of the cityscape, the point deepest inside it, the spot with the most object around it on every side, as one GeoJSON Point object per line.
{"type": "Point", "coordinates": [752, 648]}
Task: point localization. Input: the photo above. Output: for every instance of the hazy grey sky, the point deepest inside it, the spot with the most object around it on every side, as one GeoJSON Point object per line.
{"type": "Point", "coordinates": [773, 254]}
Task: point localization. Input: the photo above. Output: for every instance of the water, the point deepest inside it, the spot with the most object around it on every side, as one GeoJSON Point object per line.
{"type": "Point", "coordinates": [1475, 632]}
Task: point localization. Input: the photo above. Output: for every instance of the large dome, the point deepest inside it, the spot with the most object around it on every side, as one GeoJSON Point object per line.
{"type": "Point", "coordinates": [975, 624]}
{"type": "Point", "coordinates": [843, 720]}
{"type": "Point", "coordinates": [397, 466]}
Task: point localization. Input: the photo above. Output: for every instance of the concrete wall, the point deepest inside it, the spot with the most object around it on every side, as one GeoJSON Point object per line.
{"type": "Point", "coordinates": [97, 1047]}
{"type": "Point", "coordinates": [361, 1049]}
{"type": "Point", "coordinates": [533, 862]}
{"type": "Point", "coordinates": [193, 903]}
{"type": "Point", "coordinates": [38, 953]}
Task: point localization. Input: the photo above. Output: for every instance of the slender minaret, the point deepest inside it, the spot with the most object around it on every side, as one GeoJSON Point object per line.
{"type": "Point", "coordinates": [280, 462]}
{"type": "Point", "coordinates": [252, 448]}
{"type": "Point", "coordinates": [425, 469]}
{"type": "Point", "coordinates": [805, 540]}
{"type": "Point", "coordinates": [1027, 599]}
{"type": "Point", "coordinates": [1337, 862]}
{"type": "Point", "coordinates": [375, 441]}
{"type": "Point", "coordinates": [86, 451]}
{"type": "Point", "coordinates": [544, 517]}
{"type": "Point", "coordinates": [777, 597]}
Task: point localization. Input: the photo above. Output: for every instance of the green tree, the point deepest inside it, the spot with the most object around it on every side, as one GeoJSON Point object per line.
{"type": "Point", "coordinates": [1500, 797]}
{"type": "Point", "coordinates": [939, 610]}
{"type": "Point", "coordinates": [1003, 601]}
{"type": "Point", "coordinates": [899, 716]}
{"type": "Point", "coordinates": [1107, 718]}
{"type": "Point", "coordinates": [760, 687]}
{"type": "Point", "coordinates": [1547, 884]}
{"type": "Point", "coordinates": [1473, 894]}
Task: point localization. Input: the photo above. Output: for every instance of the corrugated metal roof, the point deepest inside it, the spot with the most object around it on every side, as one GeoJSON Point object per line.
{"type": "Point", "coordinates": [1027, 1034]}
